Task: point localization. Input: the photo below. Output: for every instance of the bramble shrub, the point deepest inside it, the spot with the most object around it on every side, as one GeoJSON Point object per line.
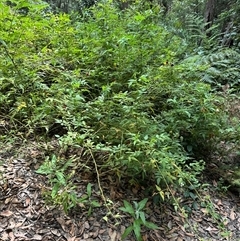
{"type": "Point", "coordinates": [109, 82]}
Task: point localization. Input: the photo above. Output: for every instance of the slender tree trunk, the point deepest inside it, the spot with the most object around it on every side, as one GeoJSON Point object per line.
{"type": "Point", "coordinates": [209, 13]}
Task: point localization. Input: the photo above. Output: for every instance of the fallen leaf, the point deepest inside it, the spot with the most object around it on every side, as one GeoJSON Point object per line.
{"type": "Point", "coordinates": [169, 224]}
{"type": "Point", "coordinates": [6, 213]}
{"type": "Point", "coordinates": [27, 202]}
{"type": "Point", "coordinates": [232, 215]}
{"type": "Point", "coordinates": [113, 235]}
{"type": "Point", "coordinates": [56, 232]}
{"type": "Point", "coordinates": [37, 237]}
{"type": "Point", "coordinates": [210, 229]}
{"type": "Point", "coordinates": [189, 234]}
{"type": "Point", "coordinates": [20, 234]}
{"type": "Point", "coordinates": [62, 222]}
{"type": "Point", "coordinates": [11, 236]}
{"type": "Point", "coordinates": [86, 225]}
{"type": "Point", "coordinates": [5, 236]}
{"type": "Point", "coordinates": [204, 210]}
{"type": "Point", "coordinates": [85, 236]}
{"type": "Point", "coordinates": [179, 239]}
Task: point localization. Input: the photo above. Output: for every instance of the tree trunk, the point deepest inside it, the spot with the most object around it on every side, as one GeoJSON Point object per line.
{"type": "Point", "coordinates": [209, 14]}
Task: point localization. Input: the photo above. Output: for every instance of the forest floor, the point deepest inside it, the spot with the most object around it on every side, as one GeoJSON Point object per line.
{"type": "Point", "coordinates": [24, 215]}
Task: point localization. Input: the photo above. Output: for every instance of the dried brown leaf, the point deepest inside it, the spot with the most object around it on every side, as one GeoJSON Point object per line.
{"type": "Point", "coordinates": [232, 215]}
{"type": "Point", "coordinates": [20, 234]}
{"type": "Point", "coordinates": [169, 224]}
{"type": "Point", "coordinates": [204, 210]}
{"type": "Point", "coordinates": [37, 237]}
{"type": "Point", "coordinates": [27, 202]}
{"type": "Point", "coordinates": [85, 236]}
{"type": "Point", "coordinates": [113, 235]}
{"type": "Point", "coordinates": [62, 222]}
{"type": "Point", "coordinates": [101, 231]}
{"type": "Point", "coordinates": [55, 232]}
{"type": "Point", "coordinates": [5, 236]}
{"type": "Point", "coordinates": [11, 236]}
{"type": "Point", "coordinates": [6, 213]}
{"type": "Point", "coordinates": [189, 234]}
{"type": "Point", "coordinates": [86, 225]}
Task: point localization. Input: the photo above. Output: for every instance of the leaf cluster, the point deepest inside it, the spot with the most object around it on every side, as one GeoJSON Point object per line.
{"type": "Point", "coordinates": [139, 218]}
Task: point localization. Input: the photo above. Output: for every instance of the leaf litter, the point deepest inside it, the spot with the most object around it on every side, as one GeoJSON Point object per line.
{"type": "Point", "coordinates": [24, 215]}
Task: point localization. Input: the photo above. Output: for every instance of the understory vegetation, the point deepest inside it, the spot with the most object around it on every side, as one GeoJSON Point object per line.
{"type": "Point", "coordinates": [144, 97]}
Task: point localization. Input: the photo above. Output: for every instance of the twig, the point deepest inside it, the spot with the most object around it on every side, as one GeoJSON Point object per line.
{"type": "Point", "coordinates": [99, 182]}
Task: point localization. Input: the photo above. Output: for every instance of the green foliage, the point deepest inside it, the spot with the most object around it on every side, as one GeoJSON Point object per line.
{"type": "Point", "coordinates": [87, 201]}
{"type": "Point", "coordinates": [223, 68]}
{"type": "Point", "coordinates": [213, 62]}
{"type": "Point", "coordinates": [63, 190]}
{"type": "Point", "coordinates": [112, 82]}
{"type": "Point", "coordinates": [139, 218]}
{"type": "Point", "coordinates": [217, 67]}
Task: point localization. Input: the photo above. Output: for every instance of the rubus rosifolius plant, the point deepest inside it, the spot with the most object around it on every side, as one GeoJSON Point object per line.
{"type": "Point", "coordinates": [63, 189]}
{"type": "Point", "coordinates": [198, 116]}
{"type": "Point", "coordinates": [137, 213]}
{"type": "Point", "coordinates": [110, 84]}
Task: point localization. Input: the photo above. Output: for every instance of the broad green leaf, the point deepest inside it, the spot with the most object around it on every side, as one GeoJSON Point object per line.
{"type": "Point", "coordinates": [67, 164]}
{"type": "Point", "coordinates": [128, 208]}
{"type": "Point", "coordinates": [90, 211]}
{"type": "Point", "coordinates": [60, 178]}
{"type": "Point", "coordinates": [95, 204]}
{"type": "Point", "coordinates": [89, 189]}
{"type": "Point", "coordinates": [55, 190]}
{"type": "Point", "coordinates": [83, 199]}
{"type": "Point", "coordinates": [142, 204]}
{"type": "Point", "coordinates": [142, 217]}
{"type": "Point", "coordinates": [151, 225]}
{"type": "Point", "coordinates": [127, 232]}
{"type": "Point", "coordinates": [2, 42]}
{"type": "Point", "coordinates": [137, 229]}
{"type": "Point", "coordinates": [65, 207]}
{"type": "Point", "coordinates": [44, 169]}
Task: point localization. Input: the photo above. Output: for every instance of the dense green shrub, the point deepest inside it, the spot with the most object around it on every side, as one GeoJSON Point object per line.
{"type": "Point", "coordinates": [110, 82]}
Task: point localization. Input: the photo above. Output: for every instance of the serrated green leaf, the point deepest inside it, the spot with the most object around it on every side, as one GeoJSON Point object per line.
{"type": "Point", "coordinates": [44, 169]}
{"type": "Point", "coordinates": [151, 225]}
{"type": "Point", "coordinates": [123, 209]}
{"type": "Point", "coordinates": [2, 42]}
{"type": "Point", "coordinates": [135, 205]}
{"type": "Point", "coordinates": [89, 189]}
{"type": "Point", "coordinates": [142, 217]}
{"type": "Point", "coordinates": [142, 204]}
{"type": "Point", "coordinates": [137, 229]}
{"type": "Point", "coordinates": [83, 199]}
{"type": "Point", "coordinates": [54, 160]}
{"type": "Point", "coordinates": [95, 204]}
{"type": "Point", "coordinates": [90, 211]}
{"type": "Point", "coordinates": [60, 178]}
{"type": "Point", "coordinates": [67, 164]}
{"type": "Point", "coordinates": [128, 208]}
{"type": "Point", "coordinates": [127, 232]}
{"type": "Point", "coordinates": [55, 190]}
